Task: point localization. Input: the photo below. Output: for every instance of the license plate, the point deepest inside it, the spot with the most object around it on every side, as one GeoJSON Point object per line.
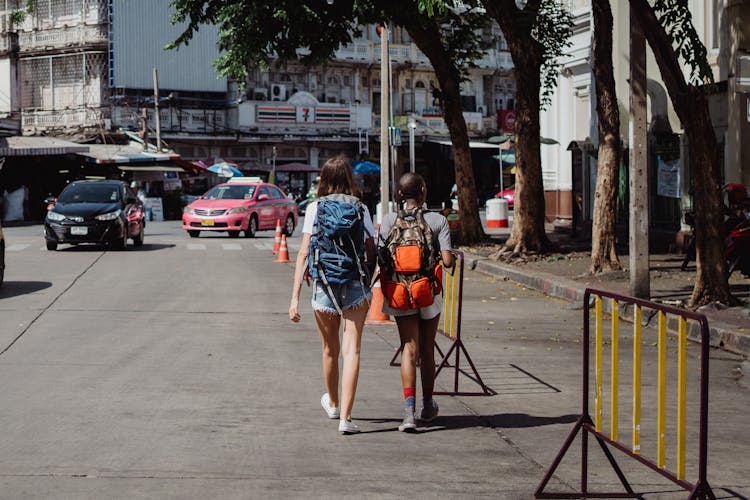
{"type": "Point", "coordinates": [207, 222]}
{"type": "Point", "coordinates": [79, 230]}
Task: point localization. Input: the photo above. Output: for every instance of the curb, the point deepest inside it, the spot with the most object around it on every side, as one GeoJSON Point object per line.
{"type": "Point", "coordinates": [721, 335]}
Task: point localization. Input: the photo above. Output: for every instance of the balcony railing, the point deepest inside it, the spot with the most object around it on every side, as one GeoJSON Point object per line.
{"type": "Point", "coordinates": [79, 35]}
{"type": "Point", "coordinates": [203, 121]}
{"type": "Point", "coordinates": [39, 120]}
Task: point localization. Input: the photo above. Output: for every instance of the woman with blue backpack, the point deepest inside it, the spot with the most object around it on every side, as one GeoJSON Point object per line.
{"type": "Point", "coordinates": [413, 245]}
{"type": "Point", "coordinates": [338, 253]}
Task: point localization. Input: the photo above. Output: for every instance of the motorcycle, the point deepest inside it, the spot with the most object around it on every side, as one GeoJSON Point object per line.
{"type": "Point", "coordinates": [737, 230]}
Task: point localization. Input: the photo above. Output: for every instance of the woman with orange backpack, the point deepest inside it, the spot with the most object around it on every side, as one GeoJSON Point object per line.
{"type": "Point", "coordinates": [411, 244]}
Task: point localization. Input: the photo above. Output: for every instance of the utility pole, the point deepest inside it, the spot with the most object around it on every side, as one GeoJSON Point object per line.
{"type": "Point", "coordinates": [385, 114]}
{"type": "Point", "coordinates": [639, 214]}
{"type": "Point", "coordinates": [156, 111]}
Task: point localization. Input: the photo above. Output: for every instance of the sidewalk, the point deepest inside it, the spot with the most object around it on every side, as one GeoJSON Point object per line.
{"type": "Point", "coordinates": [564, 275]}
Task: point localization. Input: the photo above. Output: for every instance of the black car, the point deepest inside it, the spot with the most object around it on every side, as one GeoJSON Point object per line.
{"type": "Point", "coordinates": [2, 256]}
{"type": "Point", "coordinates": [101, 212]}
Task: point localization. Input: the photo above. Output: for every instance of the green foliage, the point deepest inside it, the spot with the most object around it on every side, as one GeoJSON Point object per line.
{"type": "Point", "coordinates": [552, 29]}
{"type": "Point", "coordinates": [259, 34]}
{"type": "Point", "coordinates": [17, 17]}
{"type": "Point", "coordinates": [677, 21]}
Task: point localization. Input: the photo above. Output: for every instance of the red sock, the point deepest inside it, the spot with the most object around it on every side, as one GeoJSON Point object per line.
{"type": "Point", "coordinates": [410, 392]}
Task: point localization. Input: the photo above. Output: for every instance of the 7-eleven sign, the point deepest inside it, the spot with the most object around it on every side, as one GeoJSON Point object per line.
{"type": "Point", "coordinates": [305, 114]}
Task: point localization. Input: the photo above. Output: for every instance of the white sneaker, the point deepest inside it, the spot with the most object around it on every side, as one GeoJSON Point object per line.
{"type": "Point", "coordinates": [325, 402]}
{"type": "Point", "coordinates": [348, 427]}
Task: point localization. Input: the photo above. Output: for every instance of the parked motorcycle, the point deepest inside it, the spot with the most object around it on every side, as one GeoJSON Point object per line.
{"type": "Point", "coordinates": [737, 230]}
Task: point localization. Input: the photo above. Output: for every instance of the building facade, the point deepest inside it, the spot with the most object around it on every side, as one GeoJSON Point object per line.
{"type": "Point", "coordinates": [88, 70]}
{"type": "Point", "coordinates": [570, 166]}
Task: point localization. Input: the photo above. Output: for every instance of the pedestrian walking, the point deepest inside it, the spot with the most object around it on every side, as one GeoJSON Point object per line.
{"type": "Point", "coordinates": [338, 253]}
{"type": "Point", "coordinates": [411, 245]}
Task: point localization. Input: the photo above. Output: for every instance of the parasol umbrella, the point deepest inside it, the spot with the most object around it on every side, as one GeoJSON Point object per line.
{"type": "Point", "coordinates": [366, 167]}
{"type": "Point", "coordinates": [225, 169]}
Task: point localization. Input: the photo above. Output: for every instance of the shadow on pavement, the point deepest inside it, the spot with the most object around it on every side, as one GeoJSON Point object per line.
{"type": "Point", "coordinates": [147, 247]}
{"type": "Point", "coordinates": [501, 420]}
{"type": "Point", "coordinates": [15, 288]}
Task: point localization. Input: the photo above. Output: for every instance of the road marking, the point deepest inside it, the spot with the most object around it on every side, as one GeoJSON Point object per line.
{"type": "Point", "coordinates": [17, 247]}
{"type": "Point", "coordinates": [264, 246]}
{"type": "Point", "coordinates": [231, 246]}
{"type": "Point", "coordinates": [196, 246]}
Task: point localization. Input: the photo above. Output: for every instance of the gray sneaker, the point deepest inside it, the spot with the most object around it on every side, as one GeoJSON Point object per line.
{"type": "Point", "coordinates": [429, 413]}
{"type": "Point", "coordinates": [409, 423]}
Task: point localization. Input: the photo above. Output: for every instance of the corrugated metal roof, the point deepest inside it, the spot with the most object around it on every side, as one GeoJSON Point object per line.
{"type": "Point", "coordinates": [38, 146]}
{"type": "Point", "coordinates": [121, 154]}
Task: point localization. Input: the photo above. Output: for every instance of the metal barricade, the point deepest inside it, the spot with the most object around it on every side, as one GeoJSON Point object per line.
{"type": "Point", "coordinates": [700, 488]}
{"type": "Point", "coordinates": [453, 281]}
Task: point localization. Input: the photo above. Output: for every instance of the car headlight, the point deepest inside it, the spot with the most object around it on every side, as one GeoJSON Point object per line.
{"type": "Point", "coordinates": [237, 210]}
{"type": "Point", "coordinates": [109, 216]}
{"type": "Point", "coordinates": [55, 216]}
{"type": "Point", "coordinates": [188, 210]}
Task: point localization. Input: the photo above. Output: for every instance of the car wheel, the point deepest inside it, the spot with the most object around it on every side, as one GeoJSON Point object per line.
{"type": "Point", "coordinates": [289, 225]}
{"type": "Point", "coordinates": [252, 227]}
{"type": "Point", "coordinates": [121, 243]}
{"type": "Point", "coordinates": [138, 238]}
{"type": "Point", "coordinates": [51, 245]}
{"type": "Point", "coordinates": [2, 262]}
{"type": "Point", "coordinates": [193, 233]}
{"type": "Point", "coordinates": [234, 234]}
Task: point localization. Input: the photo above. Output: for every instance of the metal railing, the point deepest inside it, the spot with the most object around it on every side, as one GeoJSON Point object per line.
{"type": "Point", "coordinates": [700, 488]}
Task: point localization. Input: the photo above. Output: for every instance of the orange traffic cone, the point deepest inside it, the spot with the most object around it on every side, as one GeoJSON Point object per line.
{"type": "Point", "coordinates": [283, 251]}
{"type": "Point", "coordinates": [376, 316]}
{"type": "Point", "coordinates": [277, 237]}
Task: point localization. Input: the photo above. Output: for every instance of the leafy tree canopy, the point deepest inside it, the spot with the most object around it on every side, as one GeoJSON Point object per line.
{"type": "Point", "coordinates": [258, 33]}
{"type": "Point", "coordinates": [677, 20]}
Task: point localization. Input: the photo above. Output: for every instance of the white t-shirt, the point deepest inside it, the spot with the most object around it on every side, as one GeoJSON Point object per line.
{"type": "Point", "coordinates": [312, 210]}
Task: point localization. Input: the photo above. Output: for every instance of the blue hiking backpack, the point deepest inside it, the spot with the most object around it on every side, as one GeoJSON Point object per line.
{"type": "Point", "coordinates": [337, 245]}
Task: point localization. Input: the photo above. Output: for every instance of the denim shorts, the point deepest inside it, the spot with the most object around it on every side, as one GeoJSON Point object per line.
{"type": "Point", "coordinates": [348, 296]}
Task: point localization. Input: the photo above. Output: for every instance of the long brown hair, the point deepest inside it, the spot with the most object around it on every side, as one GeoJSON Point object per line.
{"type": "Point", "coordinates": [336, 177]}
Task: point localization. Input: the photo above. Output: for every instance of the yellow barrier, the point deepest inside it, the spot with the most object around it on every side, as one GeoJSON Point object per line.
{"type": "Point", "coordinates": [701, 488]}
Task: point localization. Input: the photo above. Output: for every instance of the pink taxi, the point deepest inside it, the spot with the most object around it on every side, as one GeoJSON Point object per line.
{"type": "Point", "coordinates": [243, 204]}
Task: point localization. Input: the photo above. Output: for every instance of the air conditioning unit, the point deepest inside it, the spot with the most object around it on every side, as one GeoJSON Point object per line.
{"type": "Point", "coordinates": [278, 92]}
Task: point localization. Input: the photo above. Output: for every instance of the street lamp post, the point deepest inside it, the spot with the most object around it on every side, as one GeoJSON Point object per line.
{"type": "Point", "coordinates": [412, 128]}
{"type": "Point", "coordinates": [272, 179]}
{"type": "Point", "coordinates": [499, 140]}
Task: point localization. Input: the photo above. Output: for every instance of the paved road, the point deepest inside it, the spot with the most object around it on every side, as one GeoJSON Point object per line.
{"type": "Point", "coordinates": [172, 371]}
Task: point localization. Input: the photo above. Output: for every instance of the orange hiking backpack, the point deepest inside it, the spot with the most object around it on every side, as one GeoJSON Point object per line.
{"type": "Point", "coordinates": [407, 262]}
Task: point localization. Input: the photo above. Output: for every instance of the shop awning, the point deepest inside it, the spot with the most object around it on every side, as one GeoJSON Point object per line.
{"type": "Point", "coordinates": [38, 146]}
{"type": "Point", "coordinates": [472, 144]}
{"type": "Point", "coordinates": [150, 168]}
{"type": "Point", "coordinates": [120, 154]}
{"type": "Point", "coordinates": [287, 167]}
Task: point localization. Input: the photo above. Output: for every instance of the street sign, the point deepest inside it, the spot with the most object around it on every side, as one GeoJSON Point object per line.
{"type": "Point", "coordinates": [395, 133]}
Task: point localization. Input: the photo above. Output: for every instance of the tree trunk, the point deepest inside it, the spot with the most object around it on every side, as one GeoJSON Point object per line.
{"type": "Point", "coordinates": [711, 284]}
{"type": "Point", "coordinates": [691, 105]}
{"type": "Point", "coordinates": [429, 41]}
{"type": "Point", "coordinates": [471, 224]}
{"type": "Point", "coordinates": [603, 249]}
{"type": "Point", "coordinates": [527, 234]}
